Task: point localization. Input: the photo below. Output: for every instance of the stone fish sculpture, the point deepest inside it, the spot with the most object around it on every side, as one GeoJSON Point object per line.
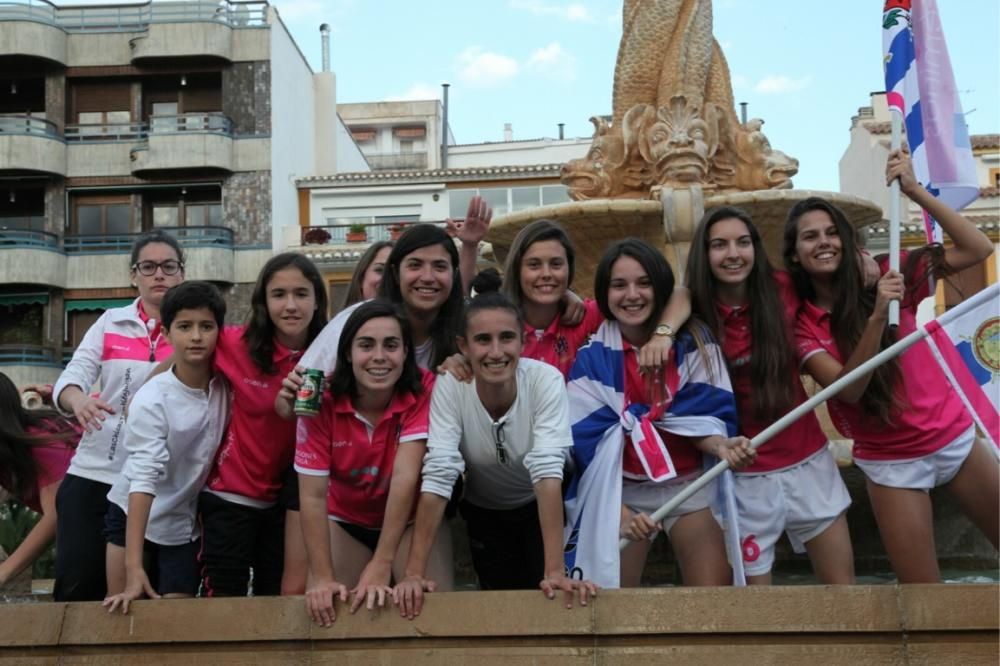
{"type": "Point", "coordinates": [673, 121]}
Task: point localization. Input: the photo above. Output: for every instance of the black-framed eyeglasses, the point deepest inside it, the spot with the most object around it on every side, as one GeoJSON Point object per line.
{"type": "Point", "coordinates": [498, 440]}
{"type": "Point", "coordinates": [148, 268]}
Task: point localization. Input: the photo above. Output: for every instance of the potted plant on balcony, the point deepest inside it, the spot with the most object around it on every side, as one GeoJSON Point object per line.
{"type": "Point", "coordinates": [357, 233]}
{"type": "Point", "coordinates": [396, 230]}
{"type": "Point", "coordinates": [316, 236]}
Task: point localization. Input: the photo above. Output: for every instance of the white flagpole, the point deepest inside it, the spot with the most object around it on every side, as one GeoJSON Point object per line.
{"type": "Point", "coordinates": [789, 418]}
{"type": "Point", "coordinates": [896, 126]}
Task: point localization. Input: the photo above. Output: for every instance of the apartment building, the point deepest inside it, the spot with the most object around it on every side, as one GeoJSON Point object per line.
{"type": "Point", "coordinates": [194, 117]}
{"type": "Point", "coordinates": [341, 214]}
{"type": "Point", "coordinates": [862, 173]}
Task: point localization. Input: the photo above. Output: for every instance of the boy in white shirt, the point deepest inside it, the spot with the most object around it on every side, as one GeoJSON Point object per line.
{"type": "Point", "coordinates": [175, 425]}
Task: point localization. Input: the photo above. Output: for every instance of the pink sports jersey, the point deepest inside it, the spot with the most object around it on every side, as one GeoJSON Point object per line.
{"type": "Point", "coordinates": [928, 416]}
{"type": "Point", "coordinates": [686, 457]}
{"type": "Point", "coordinates": [557, 344]}
{"type": "Point", "coordinates": [258, 445]}
{"type": "Point", "coordinates": [51, 457]}
{"type": "Point", "coordinates": [358, 456]}
{"type": "Point", "coordinates": [801, 439]}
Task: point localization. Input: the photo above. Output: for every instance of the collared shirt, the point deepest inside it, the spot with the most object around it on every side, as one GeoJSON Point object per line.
{"type": "Point", "coordinates": [798, 441]}
{"type": "Point", "coordinates": [259, 445]}
{"type": "Point", "coordinates": [357, 455]}
{"type": "Point", "coordinates": [536, 438]}
{"type": "Point", "coordinates": [927, 414]}
{"type": "Point", "coordinates": [172, 435]}
{"type": "Point", "coordinates": [51, 457]}
{"type": "Point", "coordinates": [557, 343]}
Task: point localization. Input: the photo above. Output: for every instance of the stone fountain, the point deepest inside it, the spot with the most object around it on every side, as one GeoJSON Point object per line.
{"type": "Point", "coordinates": [672, 148]}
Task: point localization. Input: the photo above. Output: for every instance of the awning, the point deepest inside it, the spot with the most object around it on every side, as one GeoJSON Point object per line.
{"type": "Point", "coordinates": [97, 304]}
{"type": "Point", "coordinates": [23, 299]}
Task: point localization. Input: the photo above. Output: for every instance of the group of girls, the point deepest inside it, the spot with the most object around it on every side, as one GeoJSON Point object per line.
{"type": "Point", "coordinates": [433, 404]}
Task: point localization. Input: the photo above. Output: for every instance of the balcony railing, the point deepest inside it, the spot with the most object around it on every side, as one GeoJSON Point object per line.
{"type": "Point", "coordinates": [388, 161]}
{"type": "Point", "coordinates": [213, 122]}
{"type": "Point", "coordinates": [23, 124]}
{"type": "Point", "coordinates": [29, 355]}
{"type": "Point", "coordinates": [336, 234]}
{"type": "Point", "coordinates": [104, 18]}
{"type": "Point", "coordinates": [206, 236]}
{"type": "Point", "coordinates": [27, 238]}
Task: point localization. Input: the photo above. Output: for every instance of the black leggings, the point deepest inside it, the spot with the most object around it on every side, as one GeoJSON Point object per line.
{"type": "Point", "coordinates": [506, 545]}
{"type": "Point", "coordinates": [236, 538]}
{"type": "Point", "coordinates": [81, 505]}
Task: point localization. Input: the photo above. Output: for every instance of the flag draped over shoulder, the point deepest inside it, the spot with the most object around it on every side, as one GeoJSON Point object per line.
{"type": "Point", "coordinates": [919, 84]}
{"type": "Point", "coordinates": [699, 403]}
{"type": "Point", "coordinates": [966, 342]}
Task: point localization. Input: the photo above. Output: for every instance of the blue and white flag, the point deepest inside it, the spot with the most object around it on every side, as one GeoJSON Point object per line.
{"type": "Point", "coordinates": [920, 84]}
{"type": "Point", "coordinates": [699, 403]}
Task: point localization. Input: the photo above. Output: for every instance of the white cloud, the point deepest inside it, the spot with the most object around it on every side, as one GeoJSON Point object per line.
{"type": "Point", "coordinates": [553, 61]}
{"type": "Point", "coordinates": [484, 69]}
{"type": "Point", "coordinates": [780, 84]}
{"type": "Point", "coordinates": [418, 91]}
{"type": "Point", "coordinates": [573, 11]}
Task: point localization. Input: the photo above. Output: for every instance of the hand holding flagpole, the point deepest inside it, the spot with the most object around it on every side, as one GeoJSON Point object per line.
{"type": "Point", "coordinates": [896, 126]}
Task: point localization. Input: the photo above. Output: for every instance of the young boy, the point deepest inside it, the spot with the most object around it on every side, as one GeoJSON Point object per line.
{"type": "Point", "coordinates": [175, 424]}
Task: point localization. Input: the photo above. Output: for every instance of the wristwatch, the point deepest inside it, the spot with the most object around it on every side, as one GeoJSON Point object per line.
{"type": "Point", "coordinates": [665, 329]}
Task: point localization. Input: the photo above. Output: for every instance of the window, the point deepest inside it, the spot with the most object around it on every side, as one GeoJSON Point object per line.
{"type": "Point", "coordinates": [164, 117]}
{"type": "Point", "coordinates": [102, 215]}
{"type": "Point", "coordinates": [183, 207]}
{"type": "Point", "coordinates": [553, 194]}
{"type": "Point", "coordinates": [458, 203]}
{"type": "Point", "coordinates": [496, 198]}
{"type": "Point", "coordinates": [406, 145]}
{"type": "Point", "coordinates": [524, 197]}
{"type": "Point", "coordinates": [994, 177]}
{"type": "Point", "coordinates": [22, 208]}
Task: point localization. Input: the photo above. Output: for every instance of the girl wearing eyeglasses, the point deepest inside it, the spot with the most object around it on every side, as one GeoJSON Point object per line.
{"type": "Point", "coordinates": [120, 350]}
{"type": "Point", "coordinates": [359, 465]}
{"type": "Point", "coordinates": [508, 431]}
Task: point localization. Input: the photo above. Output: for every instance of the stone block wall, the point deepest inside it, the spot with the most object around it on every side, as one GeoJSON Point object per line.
{"type": "Point", "coordinates": [246, 97]}
{"type": "Point", "coordinates": [246, 207]}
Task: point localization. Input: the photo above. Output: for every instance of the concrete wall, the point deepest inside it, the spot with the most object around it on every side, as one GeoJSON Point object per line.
{"type": "Point", "coordinates": [209, 263]}
{"type": "Point", "coordinates": [189, 39]}
{"type": "Point", "coordinates": [248, 262]}
{"type": "Point", "coordinates": [517, 153]}
{"type": "Point", "coordinates": [31, 374]}
{"type": "Point", "coordinates": [99, 159]}
{"type": "Point", "coordinates": [91, 270]}
{"type": "Point", "coordinates": [251, 154]}
{"type": "Point", "coordinates": [327, 123]}
{"type": "Point", "coordinates": [33, 39]}
{"type": "Point", "coordinates": [184, 150]}
{"type": "Point", "coordinates": [350, 159]}
{"type": "Point", "coordinates": [32, 266]}
{"type": "Point", "coordinates": [99, 48]}
{"type": "Point", "coordinates": [32, 153]}
{"type": "Point", "coordinates": [849, 625]}
{"type": "Point", "coordinates": [293, 134]}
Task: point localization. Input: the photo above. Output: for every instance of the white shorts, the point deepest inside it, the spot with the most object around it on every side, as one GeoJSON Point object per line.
{"type": "Point", "coordinates": [924, 473]}
{"type": "Point", "coordinates": [648, 496]}
{"type": "Point", "coordinates": [801, 501]}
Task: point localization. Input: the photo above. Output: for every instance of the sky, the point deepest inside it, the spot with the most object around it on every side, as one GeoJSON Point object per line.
{"type": "Point", "coordinates": [804, 67]}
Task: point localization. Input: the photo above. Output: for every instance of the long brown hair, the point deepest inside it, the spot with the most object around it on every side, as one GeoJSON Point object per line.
{"type": "Point", "coordinates": [772, 359]}
{"type": "Point", "coordinates": [853, 303]}
{"type": "Point", "coordinates": [354, 294]}
{"type": "Point", "coordinates": [539, 230]}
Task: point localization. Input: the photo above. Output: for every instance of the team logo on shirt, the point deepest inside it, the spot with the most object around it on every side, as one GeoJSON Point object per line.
{"type": "Point", "coordinates": [986, 345]}
{"type": "Point", "coordinates": [561, 345]}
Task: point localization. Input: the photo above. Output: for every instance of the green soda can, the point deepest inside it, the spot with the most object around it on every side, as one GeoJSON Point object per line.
{"type": "Point", "coordinates": [310, 394]}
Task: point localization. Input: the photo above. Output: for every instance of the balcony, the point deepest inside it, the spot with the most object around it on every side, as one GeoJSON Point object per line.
{"type": "Point", "coordinates": [30, 364]}
{"type": "Point", "coordinates": [28, 28]}
{"type": "Point", "coordinates": [185, 141]}
{"type": "Point", "coordinates": [396, 161]}
{"type": "Point", "coordinates": [31, 257]}
{"type": "Point", "coordinates": [96, 261]}
{"type": "Point", "coordinates": [29, 143]}
{"type": "Point", "coordinates": [139, 16]}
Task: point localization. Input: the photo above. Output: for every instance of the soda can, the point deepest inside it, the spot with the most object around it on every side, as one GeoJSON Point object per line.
{"type": "Point", "coordinates": [310, 394]}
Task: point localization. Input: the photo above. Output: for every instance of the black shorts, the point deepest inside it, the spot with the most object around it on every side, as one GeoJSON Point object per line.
{"type": "Point", "coordinates": [364, 535]}
{"type": "Point", "coordinates": [171, 569]}
{"type": "Point", "coordinates": [506, 546]}
{"type": "Point", "coordinates": [288, 496]}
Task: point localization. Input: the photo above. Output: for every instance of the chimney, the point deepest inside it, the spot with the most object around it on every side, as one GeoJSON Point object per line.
{"type": "Point", "coordinates": [508, 132]}
{"type": "Point", "coordinates": [562, 127]}
{"type": "Point", "coordinates": [324, 31]}
{"type": "Point", "coordinates": [444, 125]}
{"type": "Point", "coordinates": [743, 112]}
